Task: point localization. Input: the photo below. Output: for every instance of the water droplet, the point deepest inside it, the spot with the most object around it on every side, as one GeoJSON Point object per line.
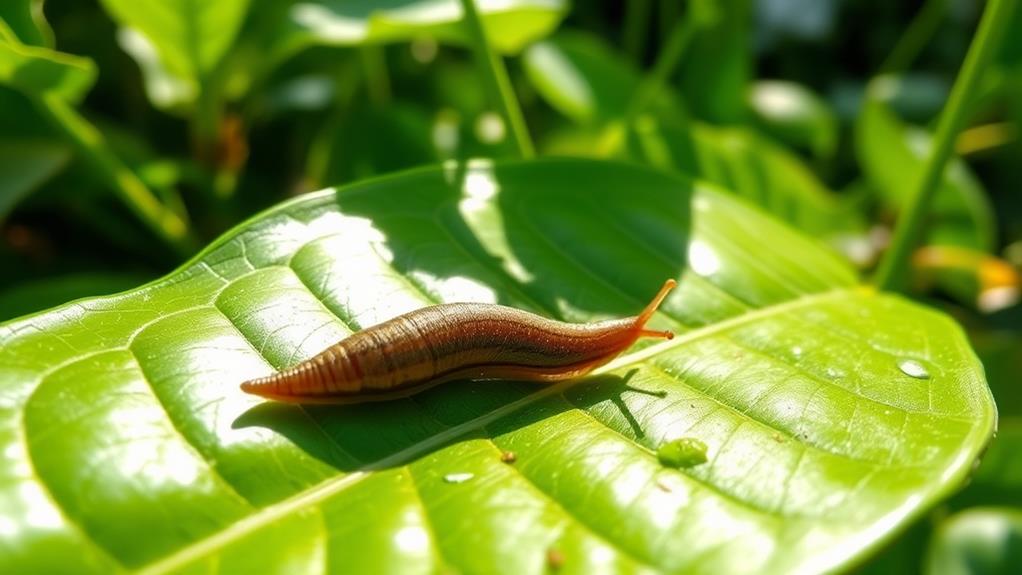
{"type": "Point", "coordinates": [835, 373]}
{"type": "Point", "coordinates": [796, 351]}
{"type": "Point", "coordinates": [683, 452]}
{"type": "Point", "coordinates": [458, 477]}
{"type": "Point", "coordinates": [913, 368]}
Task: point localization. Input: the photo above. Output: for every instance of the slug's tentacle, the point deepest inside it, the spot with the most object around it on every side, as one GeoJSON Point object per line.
{"type": "Point", "coordinates": [454, 341]}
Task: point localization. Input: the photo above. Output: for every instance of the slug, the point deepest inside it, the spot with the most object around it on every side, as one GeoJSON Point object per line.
{"type": "Point", "coordinates": [428, 346]}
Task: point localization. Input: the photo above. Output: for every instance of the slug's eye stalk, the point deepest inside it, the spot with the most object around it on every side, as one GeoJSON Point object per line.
{"type": "Point", "coordinates": [647, 313]}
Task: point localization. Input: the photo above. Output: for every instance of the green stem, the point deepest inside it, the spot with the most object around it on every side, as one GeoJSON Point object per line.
{"type": "Point", "coordinates": [492, 68]}
{"type": "Point", "coordinates": [916, 37]}
{"type": "Point", "coordinates": [136, 196]}
{"type": "Point", "coordinates": [637, 13]}
{"type": "Point", "coordinates": [377, 79]}
{"type": "Point", "coordinates": [892, 271]}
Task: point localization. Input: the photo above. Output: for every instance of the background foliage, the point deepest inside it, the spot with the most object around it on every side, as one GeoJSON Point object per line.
{"type": "Point", "coordinates": [132, 133]}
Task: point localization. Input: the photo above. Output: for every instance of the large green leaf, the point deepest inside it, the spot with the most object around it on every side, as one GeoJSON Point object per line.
{"type": "Point", "coordinates": [128, 445]}
{"type": "Point", "coordinates": [892, 155]}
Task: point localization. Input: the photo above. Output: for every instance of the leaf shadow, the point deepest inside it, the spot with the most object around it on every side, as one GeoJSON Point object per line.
{"type": "Point", "coordinates": [570, 239]}
{"type": "Point", "coordinates": [389, 434]}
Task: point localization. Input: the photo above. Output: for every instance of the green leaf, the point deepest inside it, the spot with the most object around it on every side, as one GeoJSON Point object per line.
{"type": "Point", "coordinates": [587, 81]}
{"type": "Point", "coordinates": [998, 481]}
{"type": "Point", "coordinates": [795, 115]}
{"type": "Point", "coordinates": [26, 165]}
{"type": "Point", "coordinates": [25, 19]}
{"type": "Point", "coordinates": [978, 542]}
{"type": "Point", "coordinates": [892, 154]}
{"type": "Point", "coordinates": [177, 43]}
{"type": "Point", "coordinates": [510, 24]}
{"type": "Point", "coordinates": [717, 69]}
{"type": "Point", "coordinates": [757, 169]}
{"type": "Point", "coordinates": [128, 444]}
{"type": "Point", "coordinates": [40, 71]}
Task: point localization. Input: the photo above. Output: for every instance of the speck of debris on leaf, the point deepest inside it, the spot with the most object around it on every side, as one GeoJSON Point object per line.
{"type": "Point", "coordinates": [508, 457]}
{"type": "Point", "coordinates": [555, 559]}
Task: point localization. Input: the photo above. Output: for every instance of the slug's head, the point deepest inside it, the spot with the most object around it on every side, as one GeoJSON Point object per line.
{"type": "Point", "coordinates": [642, 318]}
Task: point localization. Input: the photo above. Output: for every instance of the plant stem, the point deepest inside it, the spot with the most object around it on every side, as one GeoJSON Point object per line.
{"type": "Point", "coordinates": [916, 36]}
{"type": "Point", "coordinates": [637, 13]}
{"type": "Point", "coordinates": [170, 227]}
{"type": "Point", "coordinates": [377, 80]}
{"type": "Point", "coordinates": [894, 265]}
{"type": "Point", "coordinates": [492, 68]}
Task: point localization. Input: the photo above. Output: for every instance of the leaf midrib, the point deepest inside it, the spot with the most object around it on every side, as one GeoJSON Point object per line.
{"type": "Point", "coordinates": [330, 487]}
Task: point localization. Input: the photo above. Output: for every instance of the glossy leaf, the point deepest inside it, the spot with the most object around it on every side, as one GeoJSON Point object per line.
{"type": "Point", "coordinates": [41, 71]}
{"type": "Point", "coordinates": [981, 541]}
{"type": "Point", "coordinates": [892, 154]}
{"type": "Point", "coordinates": [129, 446]}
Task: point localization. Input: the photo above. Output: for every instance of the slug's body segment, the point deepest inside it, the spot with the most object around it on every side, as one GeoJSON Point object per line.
{"type": "Point", "coordinates": [454, 341]}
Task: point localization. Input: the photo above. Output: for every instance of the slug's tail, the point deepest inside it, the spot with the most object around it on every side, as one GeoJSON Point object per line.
{"type": "Point", "coordinates": [652, 307]}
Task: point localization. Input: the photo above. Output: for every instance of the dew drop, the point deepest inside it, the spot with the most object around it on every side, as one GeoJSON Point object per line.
{"type": "Point", "coordinates": [458, 477]}
{"type": "Point", "coordinates": [797, 351]}
{"type": "Point", "coordinates": [913, 368]}
{"type": "Point", "coordinates": [683, 452]}
{"type": "Point", "coordinates": [835, 373]}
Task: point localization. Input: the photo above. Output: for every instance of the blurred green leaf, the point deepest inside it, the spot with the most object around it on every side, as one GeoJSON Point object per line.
{"type": "Point", "coordinates": [177, 43]}
{"type": "Point", "coordinates": [128, 445]}
{"type": "Point", "coordinates": [510, 24]}
{"type": "Point", "coordinates": [717, 69]}
{"type": "Point", "coordinates": [394, 138]}
{"type": "Point", "coordinates": [24, 165]}
{"type": "Point", "coordinates": [40, 71]}
{"type": "Point", "coordinates": [588, 82]}
{"type": "Point", "coordinates": [891, 155]}
{"type": "Point", "coordinates": [584, 78]}
{"type": "Point", "coordinates": [795, 115]}
{"type": "Point", "coordinates": [762, 172]}
{"type": "Point", "coordinates": [26, 21]}
{"type": "Point", "coordinates": [983, 541]}
{"type": "Point", "coordinates": [998, 480]}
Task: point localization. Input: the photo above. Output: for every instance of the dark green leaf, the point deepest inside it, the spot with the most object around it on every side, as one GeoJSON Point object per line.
{"type": "Point", "coordinates": [24, 166]}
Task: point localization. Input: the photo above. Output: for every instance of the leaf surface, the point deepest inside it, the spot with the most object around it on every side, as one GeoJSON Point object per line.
{"type": "Point", "coordinates": [129, 446]}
